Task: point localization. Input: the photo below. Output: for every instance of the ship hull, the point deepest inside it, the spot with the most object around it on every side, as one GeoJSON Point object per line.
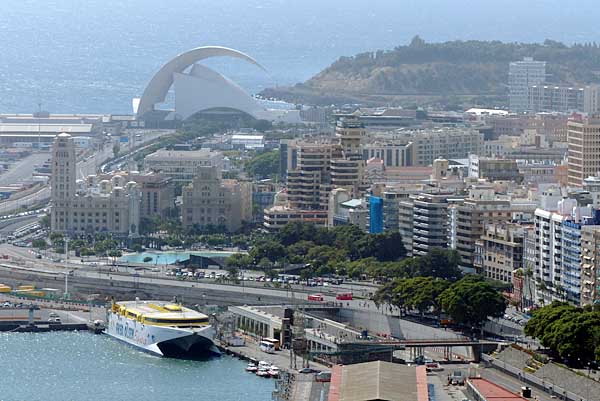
{"type": "Point", "coordinates": [164, 341]}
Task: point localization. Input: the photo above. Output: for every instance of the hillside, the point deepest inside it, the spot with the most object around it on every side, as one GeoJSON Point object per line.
{"type": "Point", "coordinates": [436, 70]}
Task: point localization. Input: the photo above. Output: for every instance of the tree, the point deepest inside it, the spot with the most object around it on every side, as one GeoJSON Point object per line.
{"type": "Point", "coordinates": [114, 254]}
{"type": "Point", "coordinates": [471, 301]}
{"type": "Point", "coordinates": [264, 165]}
{"type": "Point", "coordinates": [569, 332]}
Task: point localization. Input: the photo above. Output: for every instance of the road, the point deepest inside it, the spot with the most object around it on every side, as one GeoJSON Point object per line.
{"type": "Point", "coordinates": [85, 167]}
{"type": "Point", "coordinates": [23, 169]}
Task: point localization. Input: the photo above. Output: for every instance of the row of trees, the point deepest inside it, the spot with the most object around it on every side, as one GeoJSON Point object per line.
{"type": "Point", "coordinates": [469, 301]}
{"type": "Point", "coordinates": [571, 333]}
{"type": "Point", "coordinates": [345, 250]}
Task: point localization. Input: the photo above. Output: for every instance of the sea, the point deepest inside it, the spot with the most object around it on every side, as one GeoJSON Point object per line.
{"type": "Point", "coordinates": [79, 366]}
{"type": "Point", "coordinates": [95, 56]}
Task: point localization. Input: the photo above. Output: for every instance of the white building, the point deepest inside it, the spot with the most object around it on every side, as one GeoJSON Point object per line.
{"type": "Point", "coordinates": [248, 141]}
{"type": "Point", "coordinates": [522, 75]}
{"type": "Point", "coordinates": [182, 165]}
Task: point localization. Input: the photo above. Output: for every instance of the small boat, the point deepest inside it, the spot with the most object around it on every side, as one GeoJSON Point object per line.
{"type": "Point", "coordinates": [251, 367]}
{"type": "Point", "coordinates": [262, 372]}
{"type": "Point", "coordinates": [264, 365]}
{"type": "Point", "coordinates": [273, 371]}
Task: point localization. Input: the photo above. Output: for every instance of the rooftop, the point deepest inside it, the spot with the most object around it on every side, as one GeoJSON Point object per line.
{"type": "Point", "coordinates": [376, 380]}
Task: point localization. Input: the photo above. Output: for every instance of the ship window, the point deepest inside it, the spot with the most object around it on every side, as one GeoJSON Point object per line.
{"type": "Point", "coordinates": [176, 321]}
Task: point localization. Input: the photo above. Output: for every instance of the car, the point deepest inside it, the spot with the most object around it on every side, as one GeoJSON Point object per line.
{"type": "Point", "coordinates": [456, 378]}
{"type": "Point", "coordinates": [308, 370]}
{"type": "Point", "coordinates": [6, 304]}
{"type": "Point", "coordinates": [53, 314]}
{"type": "Point", "coordinates": [54, 320]}
{"type": "Point", "coordinates": [433, 367]}
{"type": "Point", "coordinates": [323, 377]}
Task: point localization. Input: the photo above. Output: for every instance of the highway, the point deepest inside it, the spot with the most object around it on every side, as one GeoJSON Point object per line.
{"type": "Point", "coordinates": [23, 169]}
{"type": "Point", "coordinates": [89, 165]}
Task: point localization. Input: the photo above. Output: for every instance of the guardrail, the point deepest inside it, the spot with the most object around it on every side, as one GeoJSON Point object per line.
{"type": "Point", "coordinates": [542, 384]}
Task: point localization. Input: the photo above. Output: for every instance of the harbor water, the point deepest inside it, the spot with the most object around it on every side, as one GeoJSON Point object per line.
{"type": "Point", "coordinates": [82, 366]}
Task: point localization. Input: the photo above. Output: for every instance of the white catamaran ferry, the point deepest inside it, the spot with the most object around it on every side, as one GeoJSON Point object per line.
{"type": "Point", "coordinates": [162, 328]}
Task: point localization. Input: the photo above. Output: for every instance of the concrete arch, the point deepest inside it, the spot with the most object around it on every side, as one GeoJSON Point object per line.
{"type": "Point", "coordinates": [158, 87]}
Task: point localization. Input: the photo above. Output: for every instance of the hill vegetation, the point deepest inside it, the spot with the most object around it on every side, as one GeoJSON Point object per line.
{"type": "Point", "coordinates": [455, 68]}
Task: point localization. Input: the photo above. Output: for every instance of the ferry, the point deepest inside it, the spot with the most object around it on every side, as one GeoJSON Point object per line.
{"type": "Point", "coordinates": [161, 328]}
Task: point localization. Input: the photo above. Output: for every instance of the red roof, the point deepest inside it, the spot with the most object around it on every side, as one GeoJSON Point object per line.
{"type": "Point", "coordinates": [493, 392]}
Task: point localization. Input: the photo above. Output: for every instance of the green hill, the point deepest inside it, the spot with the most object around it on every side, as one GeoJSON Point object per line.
{"type": "Point", "coordinates": [420, 70]}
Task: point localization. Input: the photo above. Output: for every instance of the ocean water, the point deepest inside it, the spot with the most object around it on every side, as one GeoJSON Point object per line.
{"type": "Point", "coordinates": [96, 55]}
{"type": "Point", "coordinates": [168, 258]}
{"type": "Point", "coordinates": [78, 366]}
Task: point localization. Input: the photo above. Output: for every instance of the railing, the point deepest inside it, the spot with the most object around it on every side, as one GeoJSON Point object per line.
{"type": "Point", "coordinates": [541, 383]}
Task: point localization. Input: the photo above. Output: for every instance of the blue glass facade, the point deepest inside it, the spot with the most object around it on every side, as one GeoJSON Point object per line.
{"type": "Point", "coordinates": [375, 214]}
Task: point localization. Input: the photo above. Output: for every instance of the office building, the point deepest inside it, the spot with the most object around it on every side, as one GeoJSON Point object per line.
{"type": "Point", "coordinates": [521, 76]}
{"type": "Point", "coordinates": [212, 201]}
{"type": "Point", "coordinates": [583, 140]}
{"type": "Point", "coordinates": [182, 165]}
{"type": "Point", "coordinates": [89, 207]}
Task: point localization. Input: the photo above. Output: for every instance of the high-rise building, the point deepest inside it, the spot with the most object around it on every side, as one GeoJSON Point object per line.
{"type": "Point", "coordinates": [583, 140]}
{"type": "Point", "coordinates": [521, 76]}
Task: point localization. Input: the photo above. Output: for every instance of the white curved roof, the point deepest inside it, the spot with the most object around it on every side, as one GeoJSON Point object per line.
{"type": "Point", "coordinates": [159, 85]}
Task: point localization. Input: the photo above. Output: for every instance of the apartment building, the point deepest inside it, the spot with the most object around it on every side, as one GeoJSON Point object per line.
{"type": "Point", "coordinates": [590, 265]}
{"type": "Point", "coordinates": [551, 98]}
{"type": "Point", "coordinates": [479, 209]}
{"type": "Point", "coordinates": [443, 142]}
{"type": "Point", "coordinates": [423, 222]}
{"type": "Point", "coordinates": [583, 139]}
{"type": "Point", "coordinates": [499, 251]}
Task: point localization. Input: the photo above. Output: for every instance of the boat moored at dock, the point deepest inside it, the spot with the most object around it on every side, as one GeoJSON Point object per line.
{"type": "Point", "coordinates": [162, 328]}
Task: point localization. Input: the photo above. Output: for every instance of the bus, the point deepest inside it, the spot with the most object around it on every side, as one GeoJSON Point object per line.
{"type": "Point", "coordinates": [273, 341]}
{"type": "Point", "coordinates": [267, 346]}
{"type": "Point", "coordinates": [344, 296]}
{"type": "Point", "coordinates": [315, 297]}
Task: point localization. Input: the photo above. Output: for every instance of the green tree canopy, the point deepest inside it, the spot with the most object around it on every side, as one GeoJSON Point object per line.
{"type": "Point", "coordinates": [263, 165]}
{"type": "Point", "coordinates": [471, 301]}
